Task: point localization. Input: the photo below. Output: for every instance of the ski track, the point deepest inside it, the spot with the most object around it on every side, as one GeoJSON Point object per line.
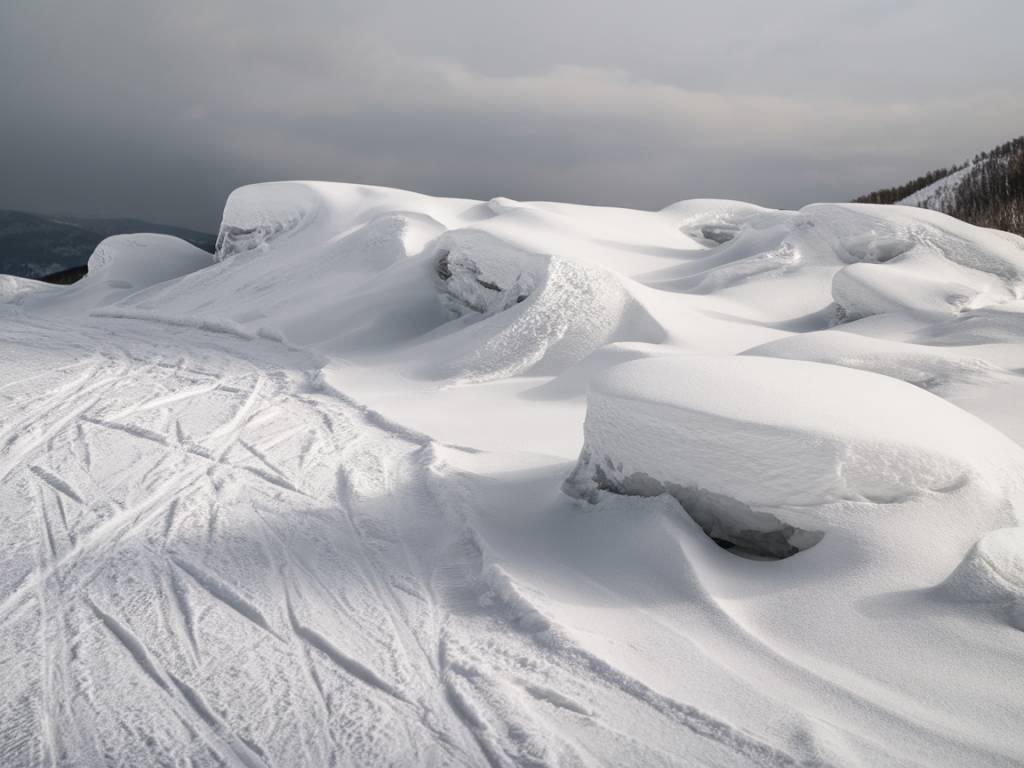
{"type": "Point", "coordinates": [242, 575]}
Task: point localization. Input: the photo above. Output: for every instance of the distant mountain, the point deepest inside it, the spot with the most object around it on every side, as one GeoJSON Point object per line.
{"type": "Point", "coordinates": [987, 191]}
{"type": "Point", "coordinates": [36, 245]}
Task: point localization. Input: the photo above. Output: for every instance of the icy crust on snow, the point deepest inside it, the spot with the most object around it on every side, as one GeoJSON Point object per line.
{"type": "Point", "coordinates": [481, 274]}
{"type": "Point", "coordinates": [751, 447]}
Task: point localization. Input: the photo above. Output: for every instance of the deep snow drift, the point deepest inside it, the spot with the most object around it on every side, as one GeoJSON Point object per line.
{"type": "Point", "coordinates": [761, 452]}
{"type": "Point", "coordinates": [395, 479]}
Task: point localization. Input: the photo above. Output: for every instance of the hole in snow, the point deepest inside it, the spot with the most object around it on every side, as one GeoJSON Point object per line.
{"type": "Point", "coordinates": [876, 249]}
{"type": "Point", "coordinates": [443, 270]}
{"type": "Point", "coordinates": [712, 234]}
{"type": "Point", "coordinates": [480, 283]}
{"type": "Point", "coordinates": [719, 233]}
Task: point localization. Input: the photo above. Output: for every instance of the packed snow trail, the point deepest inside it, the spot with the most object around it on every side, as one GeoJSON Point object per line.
{"type": "Point", "coordinates": [212, 562]}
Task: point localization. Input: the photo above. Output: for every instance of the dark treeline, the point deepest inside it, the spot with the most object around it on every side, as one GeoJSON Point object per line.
{"type": "Point", "coordinates": [895, 194]}
{"type": "Point", "coordinates": [990, 194]}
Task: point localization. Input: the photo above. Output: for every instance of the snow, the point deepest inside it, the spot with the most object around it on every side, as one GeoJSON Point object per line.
{"type": "Point", "coordinates": [757, 449]}
{"type": "Point", "coordinates": [993, 571]}
{"type": "Point", "coordinates": [929, 367]}
{"type": "Point", "coordinates": [941, 194]}
{"type": "Point", "coordinates": [304, 502]}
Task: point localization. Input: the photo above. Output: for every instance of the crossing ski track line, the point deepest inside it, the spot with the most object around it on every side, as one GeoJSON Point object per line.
{"type": "Point", "coordinates": [231, 566]}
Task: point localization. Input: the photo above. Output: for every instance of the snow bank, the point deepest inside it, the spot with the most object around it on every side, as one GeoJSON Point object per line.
{"type": "Point", "coordinates": [481, 274]}
{"type": "Point", "coordinates": [131, 262]}
{"type": "Point", "coordinates": [993, 571]}
{"type": "Point", "coordinates": [528, 312]}
{"type": "Point", "coordinates": [1000, 323]}
{"type": "Point", "coordinates": [876, 259]}
{"type": "Point", "coordinates": [713, 222]}
{"type": "Point", "coordinates": [928, 264]}
{"type": "Point", "coordinates": [256, 215]}
{"type": "Point", "coordinates": [924, 366]}
{"type": "Point", "coordinates": [120, 267]}
{"type": "Point", "coordinates": [992, 576]}
{"type": "Point", "coordinates": [926, 285]}
{"type": "Point", "coordinates": [751, 446]}
{"type": "Point", "coordinates": [14, 290]}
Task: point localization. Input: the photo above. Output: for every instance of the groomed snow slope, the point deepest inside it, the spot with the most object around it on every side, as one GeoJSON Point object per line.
{"type": "Point", "coordinates": [401, 480]}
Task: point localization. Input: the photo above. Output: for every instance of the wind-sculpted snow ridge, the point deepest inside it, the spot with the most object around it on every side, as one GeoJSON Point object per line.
{"type": "Point", "coordinates": [530, 312]}
{"type": "Point", "coordinates": [256, 215]}
{"type": "Point", "coordinates": [992, 574]}
{"type": "Point", "coordinates": [881, 259]}
{"type": "Point", "coordinates": [301, 503]}
{"type": "Point", "coordinates": [757, 450]}
{"type": "Point", "coordinates": [928, 367]}
{"type": "Point", "coordinates": [931, 265]}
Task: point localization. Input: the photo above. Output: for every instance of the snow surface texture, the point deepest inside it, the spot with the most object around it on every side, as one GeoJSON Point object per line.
{"type": "Point", "coordinates": [800, 439]}
{"type": "Point", "coordinates": [400, 480]}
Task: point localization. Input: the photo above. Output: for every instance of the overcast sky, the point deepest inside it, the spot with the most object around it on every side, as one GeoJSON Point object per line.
{"type": "Point", "coordinates": [159, 109]}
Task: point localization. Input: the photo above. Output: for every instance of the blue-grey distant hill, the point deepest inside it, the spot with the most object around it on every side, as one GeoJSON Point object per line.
{"type": "Point", "coordinates": [37, 245]}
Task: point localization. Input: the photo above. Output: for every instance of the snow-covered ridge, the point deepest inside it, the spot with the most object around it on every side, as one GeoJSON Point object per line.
{"type": "Point", "coordinates": [397, 479]}
{"type": "Point", "coordinates": [940, 195]}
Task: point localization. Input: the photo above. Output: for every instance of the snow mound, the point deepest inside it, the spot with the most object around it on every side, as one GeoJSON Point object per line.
{"type": "Point", "coordinates": [527, 311]}
{"type": "Point", "coordinates": [131, 262]}
{"type": "Point", "coordinates": [712, 222]}
{"type": "Point", "coordinates": [926, 285]}
{"type": "Point", "coordinates": [752, 446]}
{"type": "Point", "coordinates": [881, 234]}
{"type": "Point", "coordinates": [917, 261]}
{"type": "Point", "coordinates": [256, 215]}
{"type": "Point", "coordinates": [874, 260]}
{"type": "Point", "coordinates": [14, 289]}
{"type": "Point", "coordinates": [1000, 323]}
{"type": "Point", "coordinates": [500, 205]}
{"type": "Point", "coordinates": [481, 274]}
{"type": "Point", "coordinates": [376, 245]}
{"type": "Point", "coordinates": [924, 366]}
{"type": "Point", "coordinates": [992, 571]}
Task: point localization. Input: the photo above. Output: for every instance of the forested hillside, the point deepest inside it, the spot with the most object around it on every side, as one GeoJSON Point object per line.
{"type": "Point", "coordinates": [987, 191]}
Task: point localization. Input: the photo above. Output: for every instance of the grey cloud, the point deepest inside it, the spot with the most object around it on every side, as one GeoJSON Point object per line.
{"type": "Point", "coordinates": [160, 110]}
